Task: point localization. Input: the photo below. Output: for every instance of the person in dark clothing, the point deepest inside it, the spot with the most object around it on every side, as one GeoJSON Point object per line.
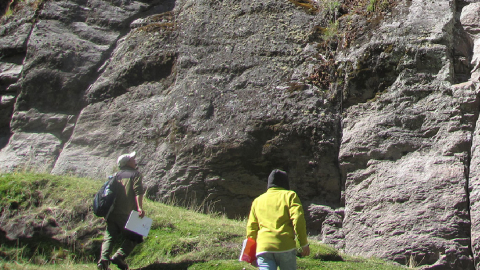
{"type": "Point", "coordinates": [130, 192]}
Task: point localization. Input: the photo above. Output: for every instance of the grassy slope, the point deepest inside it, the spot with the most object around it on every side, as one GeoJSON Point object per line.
{"type": "Point", "coordinates": [179, 239]}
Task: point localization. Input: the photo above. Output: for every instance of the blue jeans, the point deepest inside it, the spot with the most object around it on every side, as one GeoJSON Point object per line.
{"type": "Point", "coordinates": [285, 260]}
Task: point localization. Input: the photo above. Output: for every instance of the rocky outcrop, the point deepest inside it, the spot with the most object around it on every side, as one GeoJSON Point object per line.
{"type": "Point", "coordinates": [373, 116]}
{"type": "Point", "coordinates": [469, 20]}
{"type": "Point", "coordinates": [405, 154]}
{"type": "Point", "coordinates": [211, 114]}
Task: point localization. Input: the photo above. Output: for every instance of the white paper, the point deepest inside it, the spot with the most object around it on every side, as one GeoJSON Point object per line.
{"type": "Point", "coordinates": [138, 225]}
{"type": "Point", "coordinates": [243, 249]}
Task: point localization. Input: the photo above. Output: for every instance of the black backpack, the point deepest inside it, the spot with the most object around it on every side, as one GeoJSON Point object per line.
{"type": "Point", "coordinates": [105, 198]}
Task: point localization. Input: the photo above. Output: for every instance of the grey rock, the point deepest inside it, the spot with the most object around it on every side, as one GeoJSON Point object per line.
{"type": "Point", "coordinates": [62, 54]}
{"type": "Point", "coordinates": [329, 225]}
{"type": "Point", "coordinates": [20, 154]}
{"type": "Point", "coordinates": [14, 35]}
{"type": "Point", "coordinates": [184, 102]}
{"type": "Point", "coordinates": [405, 148]}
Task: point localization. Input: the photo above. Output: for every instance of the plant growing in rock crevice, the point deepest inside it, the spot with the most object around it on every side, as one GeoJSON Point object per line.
{"type": "Point", "coordinates": [6, 8]}
{"type": "Point", "coordinates": [342, 26]}
{"type": "Point", "coordinates": [10, 7]}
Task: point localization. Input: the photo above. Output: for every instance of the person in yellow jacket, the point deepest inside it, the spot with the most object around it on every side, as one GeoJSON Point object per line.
{"type": "Point", "coordinates": [276, 217]}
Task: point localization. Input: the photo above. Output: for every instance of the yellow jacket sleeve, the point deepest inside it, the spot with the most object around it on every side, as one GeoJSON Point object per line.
{"type": "Point", "coordinates": [298, 219]}
{"type": "Point", "coordinates": [252, 225]}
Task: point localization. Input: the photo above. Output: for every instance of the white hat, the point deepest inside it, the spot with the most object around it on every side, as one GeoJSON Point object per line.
{"type": "Point", "coordinates": [123, 159]}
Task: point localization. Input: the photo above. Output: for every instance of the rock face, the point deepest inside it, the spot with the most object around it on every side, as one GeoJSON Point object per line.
{"type": "Point", "coordinates": [405, 154]}
{"type": "Point", "coordinates": [376, 127]}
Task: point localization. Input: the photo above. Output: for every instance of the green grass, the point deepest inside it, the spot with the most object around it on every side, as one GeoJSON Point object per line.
{"type": "Point", "coordinates": [179, 238]}
{"type": "Point", "coordinates": [371, 6]}
{"type": "Point", "coordinates": [26, 189]}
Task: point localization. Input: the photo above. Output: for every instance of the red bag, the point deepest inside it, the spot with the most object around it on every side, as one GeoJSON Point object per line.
{"type": "Point", "coordinates": [249, 250]}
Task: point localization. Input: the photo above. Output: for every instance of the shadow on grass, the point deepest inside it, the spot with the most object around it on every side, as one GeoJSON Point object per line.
{"type": "Point", "coordinates": [168, 266]}
{"type": "Point", "coordinates": [333, 257]}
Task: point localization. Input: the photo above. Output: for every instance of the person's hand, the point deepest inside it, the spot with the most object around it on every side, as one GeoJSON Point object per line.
{"type": "Point", "coordinates": [141, 213]}
{"type": "Point", "coordinates": [305, 250]}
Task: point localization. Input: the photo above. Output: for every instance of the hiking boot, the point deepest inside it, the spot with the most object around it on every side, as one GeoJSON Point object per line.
{"type": "Point", "coordinates": [119, 262]}
{"type": "Point", "coordinates": [103, 265]}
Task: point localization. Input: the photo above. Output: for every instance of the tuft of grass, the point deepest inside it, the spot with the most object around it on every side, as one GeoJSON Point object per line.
{"type": "Point", "coordinates": [331, 31]}
{"type": "Point", "coordinates": [324, 253]}
{"type": "Point", "coordinates": [371, 6]}
{"type": "Point", "coordinates": [8, 13]}
{"type": "Point", "coordinates": [330, 8]}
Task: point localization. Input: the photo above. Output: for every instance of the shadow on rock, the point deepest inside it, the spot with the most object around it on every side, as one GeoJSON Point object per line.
{"type": "Point", "coordinates": [169, 266]}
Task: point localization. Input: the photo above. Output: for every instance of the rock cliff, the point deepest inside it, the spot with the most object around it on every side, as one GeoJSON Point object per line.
{"type": "Point", "coordinates": [371, 107]}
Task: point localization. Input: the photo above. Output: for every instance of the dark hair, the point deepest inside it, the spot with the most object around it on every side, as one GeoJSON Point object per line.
{"type": "Point", "coordinates": [278, 178]}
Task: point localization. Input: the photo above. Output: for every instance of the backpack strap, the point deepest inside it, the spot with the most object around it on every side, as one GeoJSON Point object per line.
{"type": "Point", "coordinates": [114, 185]}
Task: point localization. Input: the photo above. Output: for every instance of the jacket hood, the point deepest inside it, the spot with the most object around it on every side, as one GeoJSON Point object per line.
{"type": "Point", "coordinates": [278, 178]}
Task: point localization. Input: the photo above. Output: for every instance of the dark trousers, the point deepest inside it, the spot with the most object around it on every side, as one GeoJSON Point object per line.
{"type": "Point", "coordinates": [114, 234]}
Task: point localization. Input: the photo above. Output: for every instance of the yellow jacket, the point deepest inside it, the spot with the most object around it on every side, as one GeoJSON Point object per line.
{"type": "Point", "coordinates": [275, 218]}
